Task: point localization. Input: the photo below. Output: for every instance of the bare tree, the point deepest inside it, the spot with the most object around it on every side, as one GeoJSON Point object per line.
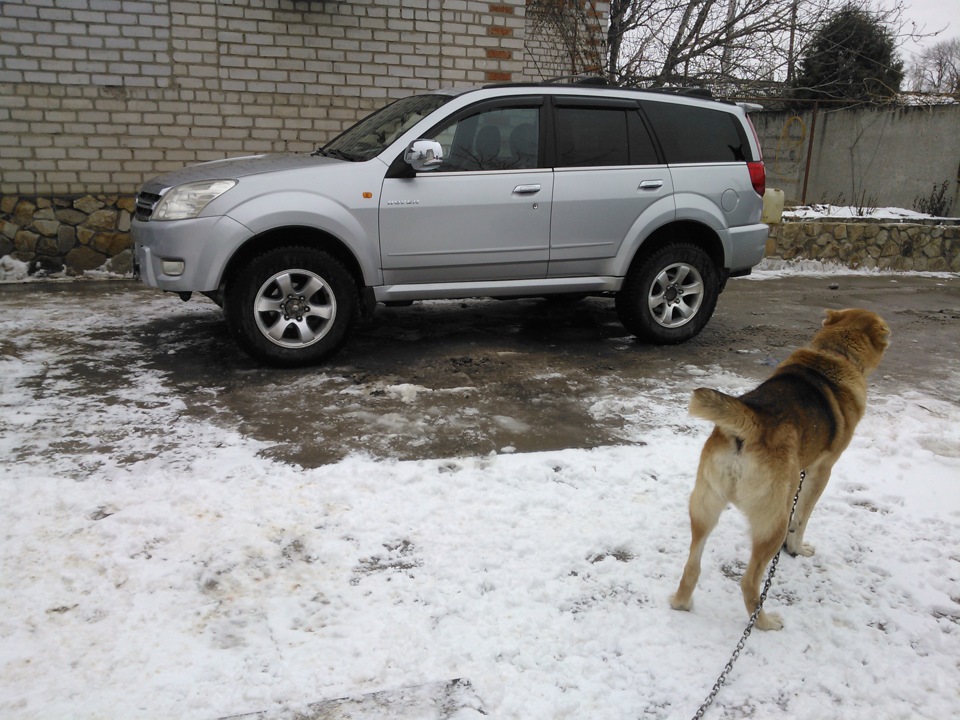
{"type": "Point", "coordinates": [937, 69]}
{"type": "Point", "coordinates": [737, 45]}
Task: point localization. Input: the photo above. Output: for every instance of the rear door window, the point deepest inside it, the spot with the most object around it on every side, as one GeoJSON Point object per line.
{"type": "Point", "coordinates": [691, 134]}
{"type": "Point", "coordinates": [602, 136]}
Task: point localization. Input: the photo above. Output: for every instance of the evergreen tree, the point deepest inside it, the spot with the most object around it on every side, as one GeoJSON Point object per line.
{"type": "Point", "coordinates": [852, 59]}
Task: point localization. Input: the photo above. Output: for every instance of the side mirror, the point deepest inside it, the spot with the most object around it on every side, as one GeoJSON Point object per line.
{"type": "Point", "coordinates": [423, 155]}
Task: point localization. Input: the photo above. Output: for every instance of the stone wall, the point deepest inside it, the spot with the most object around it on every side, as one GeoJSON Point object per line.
{"type": "Point", "coordinates": [71, 235]}
{"type": "Point", "coordinates": [922, 246]}
{"type": "Point", "coordinates": [75, 235]}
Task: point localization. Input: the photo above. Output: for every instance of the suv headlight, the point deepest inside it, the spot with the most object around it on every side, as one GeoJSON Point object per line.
{"type": "Point", "coordinates": [186, 201]}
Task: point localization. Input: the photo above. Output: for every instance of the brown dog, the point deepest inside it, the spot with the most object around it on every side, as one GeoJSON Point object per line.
{"type": "Point", "coordinates": [802, 418]}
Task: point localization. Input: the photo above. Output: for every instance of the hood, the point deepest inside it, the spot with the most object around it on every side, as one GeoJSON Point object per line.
{"type": "Point", "coordinates": [234, 168]}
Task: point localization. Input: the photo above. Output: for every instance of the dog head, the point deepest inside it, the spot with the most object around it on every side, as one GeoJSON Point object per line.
{"type": "Point", "coordinates": [861, 335]}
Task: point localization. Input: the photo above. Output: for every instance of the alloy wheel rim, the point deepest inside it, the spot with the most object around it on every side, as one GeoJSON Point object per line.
{"type": "Point", "coordinates": [295, 308]}
{"type": "Point", "coordinates": [676, 294]}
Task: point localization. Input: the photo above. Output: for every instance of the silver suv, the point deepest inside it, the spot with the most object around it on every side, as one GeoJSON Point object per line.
{"type": "Point", "coordinates": [653, 198]}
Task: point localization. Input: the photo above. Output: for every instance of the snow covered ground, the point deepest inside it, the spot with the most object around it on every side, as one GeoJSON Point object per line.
{"type": "Point", "coordinates": [158, 566]}
{"type": "Point", "coordinates": [826, 210]}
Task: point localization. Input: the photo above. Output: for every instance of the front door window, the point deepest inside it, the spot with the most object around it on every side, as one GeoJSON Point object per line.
{"type": "Point", "coordinates": [505, 138]}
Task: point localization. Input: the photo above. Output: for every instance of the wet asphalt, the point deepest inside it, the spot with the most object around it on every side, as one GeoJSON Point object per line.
{"type": "Point", "coordinates": [459, 378]}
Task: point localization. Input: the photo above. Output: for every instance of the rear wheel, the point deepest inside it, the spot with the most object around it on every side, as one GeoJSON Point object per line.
{"type": "Point", "coordinates": [291, 306]}
{"type": "Point", "coordinates": [668, 297]}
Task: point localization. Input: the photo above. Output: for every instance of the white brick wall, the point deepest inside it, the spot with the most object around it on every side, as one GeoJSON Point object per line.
{"type": "Point", "coordinates": [547, 55]}
{"type": "Point", "coordinates": [98, 95]}
{"type": "Point", "coordinates": [81, 42]}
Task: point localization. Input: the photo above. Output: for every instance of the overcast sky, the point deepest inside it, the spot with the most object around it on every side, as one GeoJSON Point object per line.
{"type": "Point", "coordinates": [932, 15]}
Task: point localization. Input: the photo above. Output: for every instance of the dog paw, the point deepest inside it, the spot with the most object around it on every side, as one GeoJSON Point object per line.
{"type": "Point", "coordinates": [769, 621]}
{"type": "Point", "coordinates": [680, 604]}
{"type": "Point", "coordinates": [801, 549]}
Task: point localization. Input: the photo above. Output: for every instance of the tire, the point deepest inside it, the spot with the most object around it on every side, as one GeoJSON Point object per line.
{"type": "Point", "coordinates": [292, 306]}
{"type": "Point", "coordinates": [668, 297]}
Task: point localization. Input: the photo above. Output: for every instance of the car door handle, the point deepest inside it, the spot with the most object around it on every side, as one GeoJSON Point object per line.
{"type": "Point", "coordinates": [651, 185]}
{"type": "Point", "coordinates": [526, 189]}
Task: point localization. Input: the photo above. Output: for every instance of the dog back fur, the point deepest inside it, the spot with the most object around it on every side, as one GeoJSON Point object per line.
{"type": "Point", "coordinates": [813, 400]}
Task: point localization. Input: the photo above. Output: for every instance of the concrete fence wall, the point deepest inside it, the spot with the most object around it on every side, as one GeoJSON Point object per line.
{"type": "Point", "coordinates": [870, 156]}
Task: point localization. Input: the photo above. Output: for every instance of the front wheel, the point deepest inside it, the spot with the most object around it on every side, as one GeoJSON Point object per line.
{"type": "Point", "coordinates": [291, 306]}
{"type": "Point", "coordinates": [668, 297]}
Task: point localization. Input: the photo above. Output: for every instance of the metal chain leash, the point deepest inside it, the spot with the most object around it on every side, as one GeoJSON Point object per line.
{"type": "Point", "coordinates": [753, 617]}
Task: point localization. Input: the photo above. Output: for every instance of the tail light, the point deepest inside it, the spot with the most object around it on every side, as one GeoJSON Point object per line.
{"type": "Point", "coordinates": [758, 177]}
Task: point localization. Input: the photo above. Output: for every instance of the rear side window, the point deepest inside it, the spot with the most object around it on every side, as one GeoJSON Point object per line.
{"type": "Point", "coordinates": [591, 136]}
{"type": "Point", "coordinates": [690, 134]}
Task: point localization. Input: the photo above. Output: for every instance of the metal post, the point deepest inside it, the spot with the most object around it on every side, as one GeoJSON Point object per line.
{"type": "Point", "coordinates": [806, 171]}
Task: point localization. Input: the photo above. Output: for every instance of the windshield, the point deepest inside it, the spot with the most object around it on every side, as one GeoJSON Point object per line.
{"type": "Point", "coordinates": [369, 137]}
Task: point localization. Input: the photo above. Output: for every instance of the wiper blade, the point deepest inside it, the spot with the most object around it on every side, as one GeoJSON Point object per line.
{"type": "Point", "coordinates": [338, 154]}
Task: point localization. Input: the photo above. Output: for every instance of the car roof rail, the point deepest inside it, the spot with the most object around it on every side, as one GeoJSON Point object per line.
{"type": "Point", "coordinates": [600, 82]}
{"type": "Point", "coordinates": [579, 79]}
{"type": "Point", "coordinates": [700, 92]}
{"type": "Point", "coordinates": [595, 80]}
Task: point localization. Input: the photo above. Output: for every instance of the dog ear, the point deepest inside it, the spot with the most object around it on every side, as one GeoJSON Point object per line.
{"type": "Point", "coordinates": [832, 317]}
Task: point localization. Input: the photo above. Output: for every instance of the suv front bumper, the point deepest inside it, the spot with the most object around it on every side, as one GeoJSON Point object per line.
{"type": "Point", "coordinates": [185, 255]}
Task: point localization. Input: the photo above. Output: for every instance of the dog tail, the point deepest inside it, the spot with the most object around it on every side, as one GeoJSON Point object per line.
{"type": "Point", "coordinates": [728, 413]}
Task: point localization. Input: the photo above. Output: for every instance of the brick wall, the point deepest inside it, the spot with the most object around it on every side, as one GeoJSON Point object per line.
{"type": "Point", "coordinates": [565, 38]}
{"type": "Point", "coordinates": [98, 95]}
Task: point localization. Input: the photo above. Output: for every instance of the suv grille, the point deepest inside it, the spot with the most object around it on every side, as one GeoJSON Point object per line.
{"type": "Point", "coordinates": [146, 202]}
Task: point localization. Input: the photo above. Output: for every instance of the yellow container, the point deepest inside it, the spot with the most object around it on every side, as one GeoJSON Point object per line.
{"type": "Point", "coordinates": [772, 206]}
